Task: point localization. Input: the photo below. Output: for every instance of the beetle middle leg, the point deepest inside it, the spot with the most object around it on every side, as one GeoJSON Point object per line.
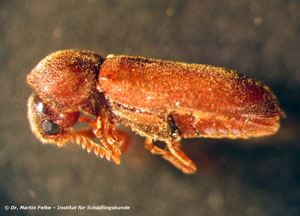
{"type": "Point", "coordinates": [173, 154]}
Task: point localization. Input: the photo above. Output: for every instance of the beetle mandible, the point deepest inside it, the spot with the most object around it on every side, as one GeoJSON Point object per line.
{"type": "Point", "coordinates": [160, 100]}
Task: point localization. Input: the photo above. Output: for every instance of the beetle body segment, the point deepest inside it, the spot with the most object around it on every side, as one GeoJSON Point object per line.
{"type": "Point", "coordinates": [160, 100]}
{"type": "Point", "coordinates": [205, 101]}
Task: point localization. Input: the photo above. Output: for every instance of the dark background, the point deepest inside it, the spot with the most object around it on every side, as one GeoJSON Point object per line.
{"type": "Point", "coordinates": [258, 176]}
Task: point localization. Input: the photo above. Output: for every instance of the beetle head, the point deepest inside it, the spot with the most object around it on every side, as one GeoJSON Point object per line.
{"type": "Point", "coordinates": [47, 125]}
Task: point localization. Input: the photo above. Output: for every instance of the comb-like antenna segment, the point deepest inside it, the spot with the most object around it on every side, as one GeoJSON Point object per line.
{"type": "Point", "coordinates": [81, 138]}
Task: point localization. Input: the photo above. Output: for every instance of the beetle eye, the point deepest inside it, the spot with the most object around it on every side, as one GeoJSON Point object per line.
{"type": "Point", "coordinates": [50, 127]}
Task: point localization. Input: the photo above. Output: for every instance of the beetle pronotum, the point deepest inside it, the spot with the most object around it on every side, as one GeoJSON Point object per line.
{"type": "Point", "coordinates": [160, 100]}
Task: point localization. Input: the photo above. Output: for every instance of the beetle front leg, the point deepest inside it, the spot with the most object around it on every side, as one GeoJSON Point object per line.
{"type": "Point", "coordinates": [114, 141]}
{"type": "Point", "coordinates": [174, 155]}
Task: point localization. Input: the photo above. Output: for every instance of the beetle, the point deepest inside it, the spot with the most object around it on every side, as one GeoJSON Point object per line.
{"type": "Point", "coordinates": [160, 100]}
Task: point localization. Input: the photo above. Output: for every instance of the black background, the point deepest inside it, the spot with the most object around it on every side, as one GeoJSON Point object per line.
{"type": "Point", "coordinates": [258, 176]}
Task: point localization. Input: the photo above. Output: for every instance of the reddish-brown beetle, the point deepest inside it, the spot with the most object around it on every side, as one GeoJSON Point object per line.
{"type": "Point", "coordinates": [160, 100]}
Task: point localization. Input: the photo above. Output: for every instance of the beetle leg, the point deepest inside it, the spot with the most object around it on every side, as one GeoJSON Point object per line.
{"type": "Point", "coordinates": [174, 155]}
{"type": "Point", "coordinates": [87, 120]}
{"type": "Point", "coordinates": [123, 139]}
{"type": "Point", "coordinates": [182, 161]}
{"type": "Point", "coordinates": [152, 148]}
{"type": "Point", "coordinates": [115, 141]}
